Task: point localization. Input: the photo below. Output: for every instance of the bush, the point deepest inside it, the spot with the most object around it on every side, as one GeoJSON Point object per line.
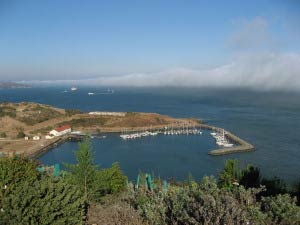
{"type": "Point", "coordinates": [28, 197]}
{"type": "Point", "coordinates": [3, 135]}
{"type": "Point", "coordinates": [111, 180]}
{"type": "Point", "coordinates": [199, 203]}
{"type": "Point", "coordinates": [230, 175]}
{"type": "Point", "coordinates": [45, 201]}
{"type": "Point", "coordinates": [281, 209]}
{"type": "Point", "coordinates": [20, 134]}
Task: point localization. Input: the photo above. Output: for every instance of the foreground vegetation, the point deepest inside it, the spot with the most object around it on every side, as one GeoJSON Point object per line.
{"type": "Point", "coordinates": [86, 193]}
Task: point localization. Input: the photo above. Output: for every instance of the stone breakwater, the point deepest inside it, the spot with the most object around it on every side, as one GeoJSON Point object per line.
{"type": "Point", "coordinates": [240, 144]}
{"type": "Point", "coordinates": [58, 141]}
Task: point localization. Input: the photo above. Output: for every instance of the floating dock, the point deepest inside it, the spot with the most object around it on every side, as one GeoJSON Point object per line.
{"type": "Point", "coordinates": [240, 144]}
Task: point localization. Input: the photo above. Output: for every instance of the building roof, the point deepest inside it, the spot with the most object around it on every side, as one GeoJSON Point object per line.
{"type": "Point", "coordinates": [62, 128]}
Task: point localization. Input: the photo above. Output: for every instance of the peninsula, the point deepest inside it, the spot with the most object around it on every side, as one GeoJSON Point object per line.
{"type": "Point", "coordinates": [25, 127]}
{"type": "Point", "coordinates": [8, 85]}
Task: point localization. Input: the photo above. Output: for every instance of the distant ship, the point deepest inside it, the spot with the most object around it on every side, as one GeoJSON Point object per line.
{"type": "Point", "coordinates": [74, 89]}
{"type": "Point", "coordinates": [91, 93]}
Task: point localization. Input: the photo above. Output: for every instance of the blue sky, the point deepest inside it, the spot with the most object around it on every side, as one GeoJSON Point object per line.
{"type": "Point", "coordinates": [63, 39]}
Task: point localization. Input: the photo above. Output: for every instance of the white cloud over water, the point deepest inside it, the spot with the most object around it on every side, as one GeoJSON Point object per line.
{"type": "Point", "coordinates": [268, 71]}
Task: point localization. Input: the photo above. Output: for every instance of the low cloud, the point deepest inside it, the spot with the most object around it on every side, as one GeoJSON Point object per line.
{"type": "Point", "coordinates": [267, 71]}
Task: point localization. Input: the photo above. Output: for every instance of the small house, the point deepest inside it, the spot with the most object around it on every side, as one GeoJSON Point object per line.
{"type": "Point", "coordinates": [26, 138]}
{"type": "Point", "coordinates": [36, 138]}
{"type": "Point", "coordinates": [48, 137]}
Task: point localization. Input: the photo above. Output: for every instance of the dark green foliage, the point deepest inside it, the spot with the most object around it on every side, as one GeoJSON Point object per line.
{"type": "Point", "coordinates": [111, 180]}
{"type": "Point", "coordinates": [250, 177]}
{"type": "Point", "coordinates": [281, 209]}
{"type": "Point", "coordinates": [20, 134]}
{"type": "Point", "coordinates": [3, 135]}
{"type": "Point", "coordinates": [231, 174]}
{"type": "Point", "coordinates": [227, 202]}
{"type": "Point", "coordinates": [274, 186]}
{"type": "Point", "coordinates": [17, 169]}
{"type": "Point", "coordinates": [28, 197]}
{"type": "Point", "coordinates": [91, 180]}
{"type": "Point", "coordinates": [45, 201]}
{"type": "Point", "coordinates": [199, 203]}
{"type": "Point", "coordinates": [83, 174]}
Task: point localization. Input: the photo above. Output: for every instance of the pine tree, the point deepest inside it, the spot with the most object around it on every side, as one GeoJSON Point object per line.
{"type": "Point", "coordinates": [231, 174]}
{"type": "Point", "coordinates": [83, 174]}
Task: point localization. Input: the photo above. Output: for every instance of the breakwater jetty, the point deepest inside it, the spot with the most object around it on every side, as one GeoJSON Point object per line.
{"type": "Point", "coordinates": [60, 140]}
{"type": "Point", "coordinates": [240, 144]}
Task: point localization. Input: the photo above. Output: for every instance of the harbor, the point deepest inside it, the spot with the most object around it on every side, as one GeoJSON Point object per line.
{"type": "Point", "coordinates": [228, 142]}
{"type": "Point", "coordinates": [45, 127]}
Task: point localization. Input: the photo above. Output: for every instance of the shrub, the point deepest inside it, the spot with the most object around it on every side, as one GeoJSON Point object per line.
{"type": "Point", "coordinates": [45, 201]}
{"type": "Point", "coordinates": [20, 134]}
{"type": "Point", "coordinates": [281, 209]}
{"type": "Point", "coordinates": [230, 175]}
{"type": "Point", "coordinates": [111, 180]}
{"type": "Point", "coordinates": [199, 203]}
{"type": "Point", "coordinates": [28, 197]}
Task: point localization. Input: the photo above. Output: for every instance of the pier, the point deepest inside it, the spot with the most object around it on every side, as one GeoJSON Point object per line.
{"type": "Point", "coordinates": [57, 141]}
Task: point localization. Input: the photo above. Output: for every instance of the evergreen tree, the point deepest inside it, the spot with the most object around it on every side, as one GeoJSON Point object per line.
{"type": "Point", "coordinates": [83, 174]}
{"type": "Point", "coordinates": [231, 174]}
{"type": "Point", "coordinates": [251, 177]}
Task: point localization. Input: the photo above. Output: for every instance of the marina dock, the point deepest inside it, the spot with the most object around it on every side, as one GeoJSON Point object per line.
{"type": "Point", "coordinates": [240, 144]}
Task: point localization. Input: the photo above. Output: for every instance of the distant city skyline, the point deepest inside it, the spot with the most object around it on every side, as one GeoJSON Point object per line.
{"type": "Point", "coordinates": [152, 43]}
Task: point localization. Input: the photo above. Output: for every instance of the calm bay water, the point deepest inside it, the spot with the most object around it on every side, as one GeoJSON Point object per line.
{"type": "Point", "coordinates": [269, 120]}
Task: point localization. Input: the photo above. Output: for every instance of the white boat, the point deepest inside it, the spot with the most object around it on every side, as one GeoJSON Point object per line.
{"type": "Point", "coordinates": [228, 145]}
{"type": "Point", "coordinates": [91, 93]}
{"type": "Point", "coordinates": [124, 136]}
{"type": "Point", "coordinates": [74, 89]}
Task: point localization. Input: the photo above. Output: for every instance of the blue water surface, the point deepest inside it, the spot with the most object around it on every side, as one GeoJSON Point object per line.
{"type": "Point", "coordinates": [268, 120]}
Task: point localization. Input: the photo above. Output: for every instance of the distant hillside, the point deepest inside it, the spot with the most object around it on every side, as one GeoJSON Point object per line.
{"type": "Point", "coordinates": [13, 85]}
{"type": "Point", "coordinates": [39, 118]}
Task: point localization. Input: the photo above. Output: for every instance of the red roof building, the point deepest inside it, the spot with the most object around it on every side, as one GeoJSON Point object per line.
{"type": "Point", "coordinates": [59, 131]}
{"type": "Point", "coordinates": [62, 128]}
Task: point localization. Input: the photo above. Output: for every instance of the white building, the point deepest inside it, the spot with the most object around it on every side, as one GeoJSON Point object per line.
{"type": "Point", "coordinates": [36, 138]}
{"type": "Point", "coordinates": [121, 114]}
{"type": "Point", "coordinates": [61, 130]}
{"type": "Point", "coordinates": [48, 137]}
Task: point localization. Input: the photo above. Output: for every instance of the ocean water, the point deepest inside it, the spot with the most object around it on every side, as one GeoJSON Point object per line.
{"type": "Point", "coordinates": [268, 120]}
